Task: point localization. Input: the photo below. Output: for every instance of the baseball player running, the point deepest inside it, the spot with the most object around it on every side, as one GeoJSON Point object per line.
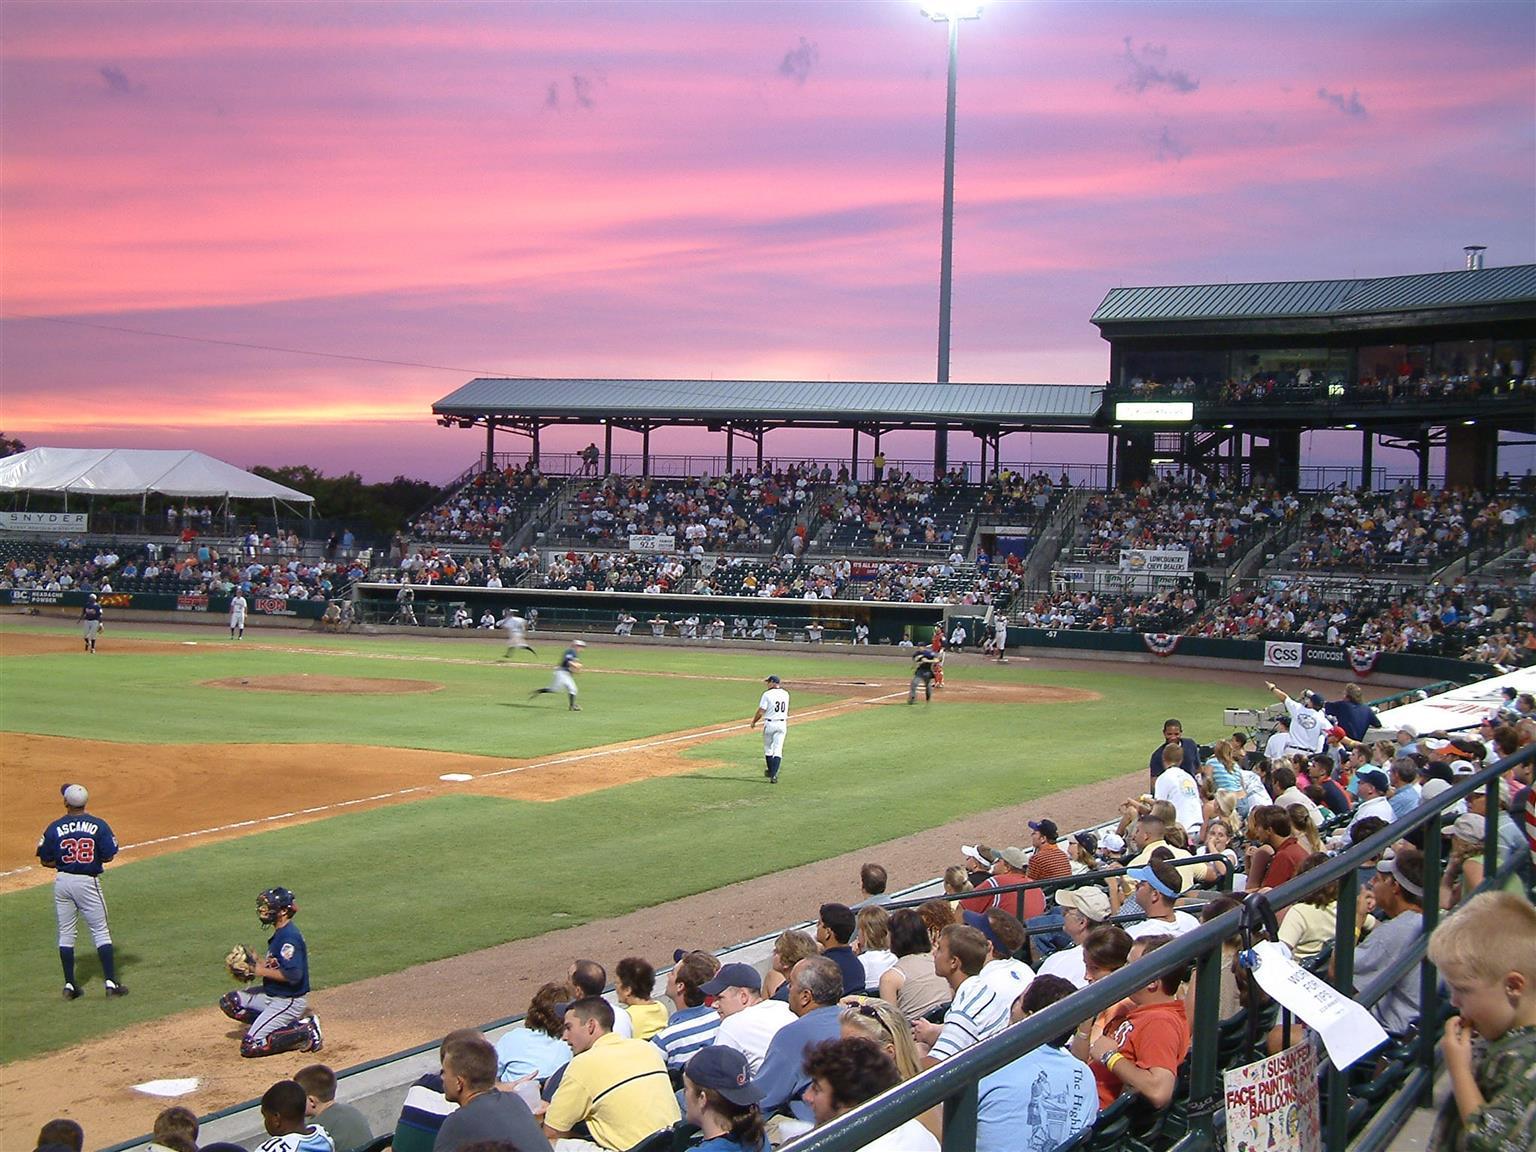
{"type": "Point", "coordinates": [278, 1016]}
{"type": "Point", "coordinates": [90, 617]}
{"type": "Point", "coordinates": [237, 617]}
{"type": "Point", "coordinates": [76, 846]}
{"type": "Point", "coordinates": [565, 676]}
{"type": "Point", "coordinates": [773, 711]}
{"type": "Point", "coordinates": [516, 628]}
{"type": "Point", "coordinates": [925, 661]}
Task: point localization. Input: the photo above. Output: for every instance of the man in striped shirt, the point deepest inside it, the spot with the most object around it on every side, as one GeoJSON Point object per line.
{"type": "Point", "coordinates": [694, 1024]}
{"type": "Point", "coordinates": [978, 1010]}
{"type": "Point", "coordinates": [1049, 862]}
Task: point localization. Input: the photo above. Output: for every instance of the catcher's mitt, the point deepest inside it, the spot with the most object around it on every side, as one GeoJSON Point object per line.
{"type": "Point", "coordinates": [241, 963]}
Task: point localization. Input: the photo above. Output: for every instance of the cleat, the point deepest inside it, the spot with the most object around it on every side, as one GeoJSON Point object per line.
{"type": "Point", "coordinates": [114, 989]}
{"type": "Point", "coordinates": [773, 779]}
{"type": "Point", "coordinates": [317, 1041]}
{"type": "Point", "coordinates": [72, 993]}
{"type": "Point", "coordinates": [575, 707]}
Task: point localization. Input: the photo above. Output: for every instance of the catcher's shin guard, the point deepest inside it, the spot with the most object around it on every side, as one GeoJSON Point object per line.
{"type": "Point", "coordinates": [284, 1039]}
{"type": "Point", "coordinates": [230, 1005]}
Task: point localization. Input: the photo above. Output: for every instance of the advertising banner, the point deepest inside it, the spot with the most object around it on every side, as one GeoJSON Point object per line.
{"type": "Point", "coordinates": [42, 521]}
{"type": "Point", "coordinates": [1273, 1103]}
{"type": "Point", "coordinates": [1154, 561]}
{"type": "Point", "coordinates": [642, 543]}
{"type": "Point", "coordinates": [1282, 654]}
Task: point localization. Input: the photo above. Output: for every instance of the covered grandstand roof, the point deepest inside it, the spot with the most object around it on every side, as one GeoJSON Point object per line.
{"type": "Point", "coordinates": [797, 402]}
{"type": "Point", "coordinates": [1321, 298]}
{"type": "Point", "coordinates": [134, 472]}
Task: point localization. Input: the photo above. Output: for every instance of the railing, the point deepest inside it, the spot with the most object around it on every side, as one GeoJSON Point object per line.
{"type": "Point", "coordinates": [953, 1083]}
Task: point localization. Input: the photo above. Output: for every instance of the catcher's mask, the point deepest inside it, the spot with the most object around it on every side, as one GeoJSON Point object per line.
{"type": "Point", "coordinates": [274, 901]}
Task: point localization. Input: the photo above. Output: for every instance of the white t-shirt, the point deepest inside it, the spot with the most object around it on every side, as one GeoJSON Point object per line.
{"type": "Point", "coordinates": [1068, 964]}
{"type": "Point", "coordinates": [910, 1137]}
{"type": "Point", "coordinates": [1309, 727]}
{"type": "Point", "coordinates": [877, 963]}
{"type": "Point", "coordinates": [1275, 746]}
{"type": "Point", "coordinates": [775, 706]}
{"type": "Point", "coordinates": [751, 1030]}
{"type": "Point", "coordinates": [1178, 788]}
{"type": "Point", "coordinates": [1182, 922]}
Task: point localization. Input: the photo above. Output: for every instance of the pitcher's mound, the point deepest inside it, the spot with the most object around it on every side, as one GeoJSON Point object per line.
{"type": "Point", "coordinates": [347, 685]}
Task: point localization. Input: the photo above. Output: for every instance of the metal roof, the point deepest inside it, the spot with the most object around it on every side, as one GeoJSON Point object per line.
{"type": "Point", "coordinates": [777, 401]}
{"type": "Point", "coordinates": [1321, 298]}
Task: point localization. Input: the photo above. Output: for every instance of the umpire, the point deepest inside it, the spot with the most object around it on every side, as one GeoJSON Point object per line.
{"type": "Point", "coordinates": [925, 663]}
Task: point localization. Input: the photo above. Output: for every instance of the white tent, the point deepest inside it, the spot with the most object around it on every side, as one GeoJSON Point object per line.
{"type": "Point", "coordinates": [136, 472]}
{"type": "Point", "coordinates": [1460, 708]}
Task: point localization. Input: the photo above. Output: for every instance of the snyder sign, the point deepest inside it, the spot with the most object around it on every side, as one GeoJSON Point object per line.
{"type": "Point", "coordinates": [642, 543]}
{"type": "Point", "coordinates": [42, 521]}
{"type": "Point", "coordinates": [1154, 561]}
{"type": "Point", "coordinates": [1282, 654]}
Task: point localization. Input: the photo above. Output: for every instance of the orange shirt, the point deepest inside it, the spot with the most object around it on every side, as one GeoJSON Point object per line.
{"type": "Point", "coordinates": [1151, 1036]}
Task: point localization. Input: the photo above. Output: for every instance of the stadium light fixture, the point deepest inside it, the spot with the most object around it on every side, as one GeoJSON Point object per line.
{"type": "Point", "coordinates": [1468, 423]}
{"type": "Point", "coordinates": [949, 12]}
{"type": "Point", "coordinates": [943, 11]}
{"type": "Point", "coordinates": [1350, 427]}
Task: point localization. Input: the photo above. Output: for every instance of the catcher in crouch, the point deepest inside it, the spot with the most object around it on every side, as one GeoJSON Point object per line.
{"type": "Point", "coordinates": [278, 1015]}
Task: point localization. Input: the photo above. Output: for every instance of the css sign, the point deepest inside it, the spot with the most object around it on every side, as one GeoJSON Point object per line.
{"type": "Point", "coordinates": [1282, 654]}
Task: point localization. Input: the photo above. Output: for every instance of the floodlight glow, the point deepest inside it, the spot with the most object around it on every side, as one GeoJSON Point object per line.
{"type": "Point", "coordinates": [943, 11]}
{"type": "Point", "coordinates": [1155, 411]}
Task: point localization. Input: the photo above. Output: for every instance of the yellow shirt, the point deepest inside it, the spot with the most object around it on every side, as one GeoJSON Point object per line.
{"type": "Point", "coordinates": [647, 1018]}
{"type": "Point", "coordinates": [620, 1088]}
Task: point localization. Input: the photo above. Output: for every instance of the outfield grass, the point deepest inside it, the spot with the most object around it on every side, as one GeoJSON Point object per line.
{"type": "Point", "coordinates": [388, 888]}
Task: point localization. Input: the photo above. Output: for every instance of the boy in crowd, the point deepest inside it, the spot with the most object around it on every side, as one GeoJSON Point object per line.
{"type": "Point", "coordinates": [1486, 954]}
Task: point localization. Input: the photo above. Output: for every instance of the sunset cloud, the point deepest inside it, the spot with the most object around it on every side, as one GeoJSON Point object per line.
{"type": "Point", "coordinates": [687, 189]}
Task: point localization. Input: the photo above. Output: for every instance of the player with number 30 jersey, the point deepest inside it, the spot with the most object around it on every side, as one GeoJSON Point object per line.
{"type": "Point", "coordinates": [773, 711]}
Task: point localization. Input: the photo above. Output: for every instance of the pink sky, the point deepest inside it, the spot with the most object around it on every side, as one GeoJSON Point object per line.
{"type": "Point", "coordinates": [710, 189]}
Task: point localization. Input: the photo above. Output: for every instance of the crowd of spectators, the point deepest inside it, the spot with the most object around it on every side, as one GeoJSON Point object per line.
{"type": "Point", "coordinates": [268, 567]}
{"type": "Point", "coordinates": [1207, 520]}
{"type": "Point", "coordinates": [741, 513]}
{"type": "Point", "coordinates": [1307, 385]}
{"type": "Point", "coordinates": [487, 508]}
{"type": "Point", "coordinates": [1368, 531]}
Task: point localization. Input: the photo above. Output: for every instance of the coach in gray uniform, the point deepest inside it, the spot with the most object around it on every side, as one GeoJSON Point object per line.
{"type": "Point", "coordinates": [76, 846]}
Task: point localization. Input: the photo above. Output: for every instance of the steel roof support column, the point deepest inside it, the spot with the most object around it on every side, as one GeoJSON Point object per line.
{"type": "Point", "coordinates": [730, 445]}
{"type": "Point", "coordinates": [490, 443]}
{"type": "Point", "coordinates": [853, 459]}
{"type": "Point", "coordinates": [1423, 451]}
{"type": "Point", "coordinates": [645, 450]}
{"type": "Point", "coordinates": [762, 431]}
{"type": "Point", "coordinates": [1367, 446]}
{"type": "Point", "coordinates": [533, 433]}
{"type": "Point", "coordinates": [607, 447]}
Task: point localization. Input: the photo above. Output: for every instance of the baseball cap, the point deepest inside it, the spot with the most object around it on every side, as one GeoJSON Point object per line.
{"type": "Point", "coordinates": [724, 1070]}
{"type": "Point", "coordinates": [1463, 768]}
{"type": "Point", "coordinates": [1312, 695]}
{"type": "Point", "coordinates": [771, 680]}
{"type": "Point", "coordinates": [75, 795]}
{"type": "Point", "coordinates": [1337, 733]}
{"type": "Point", "coordinates": [1046, 828]}
{"type": "Point", "coordinates": [1112, 842]}
{"type": "Point", "coordinates": [733, 976]}
{"type": "Point", "coordinates": [1088, 840]}
{"type": "Point", "coordinates": [979, 922]}
{"type": "Point", "coordinates": [1375, 777]}
{"type": "Point", "coordinates": [1432, 788]}
{"type": "Point", "coordinates": [578, 643]}
{"type": "Point", "coordinates": [1090, 901]}
{"type": "Point", "coordinates": [1407, 730]}
{"type": "Point", "coordinates": [979, 852]}
{"type": "Point", "coordinates": [1470, 826]}
{"type": "Point", "coordinates": [1014, 857]}
{"type": "Point", "coordinates": [1150, 876]}
{"type": "Point", "coordinates": [1430, 744]}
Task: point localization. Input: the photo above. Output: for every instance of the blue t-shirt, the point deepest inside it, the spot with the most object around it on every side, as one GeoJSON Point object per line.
{"type": "Point", "coordinates": [1048, 1092]}
{"type": "Point", "coordinates": [527, 1051]}
{"type": "Point", "coordinates": [726, 1144]}
{"type": "Point", "coordinates": [286, 946]}
{"type": "Point", "coordinates": [79, 843]}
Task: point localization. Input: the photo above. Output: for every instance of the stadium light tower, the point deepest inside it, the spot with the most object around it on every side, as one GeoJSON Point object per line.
{"type": "Point", "coordinates": [949, 12]}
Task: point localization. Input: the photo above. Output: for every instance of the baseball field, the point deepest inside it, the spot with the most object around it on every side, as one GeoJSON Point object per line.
{"type": "Point", "coordinates": [423, 807]}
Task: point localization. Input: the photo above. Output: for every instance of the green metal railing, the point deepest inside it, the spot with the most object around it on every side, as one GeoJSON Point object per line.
{"type": "Point", "coordinates": [953, 1083]}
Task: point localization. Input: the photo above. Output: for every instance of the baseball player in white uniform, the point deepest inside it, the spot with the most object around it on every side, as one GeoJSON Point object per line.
{"type": "Point", "coordinates": [773, 711]}
{"type": "Point", "coordinates": [237, 617]}
{"type": "Point", "coordinates": [516, 628]}
{"type": "Point", "coordinates": [1001, 625]}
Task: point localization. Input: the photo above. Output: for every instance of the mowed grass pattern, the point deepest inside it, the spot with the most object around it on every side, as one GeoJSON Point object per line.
{"type": "Point", "coordinates": [385, 889]}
